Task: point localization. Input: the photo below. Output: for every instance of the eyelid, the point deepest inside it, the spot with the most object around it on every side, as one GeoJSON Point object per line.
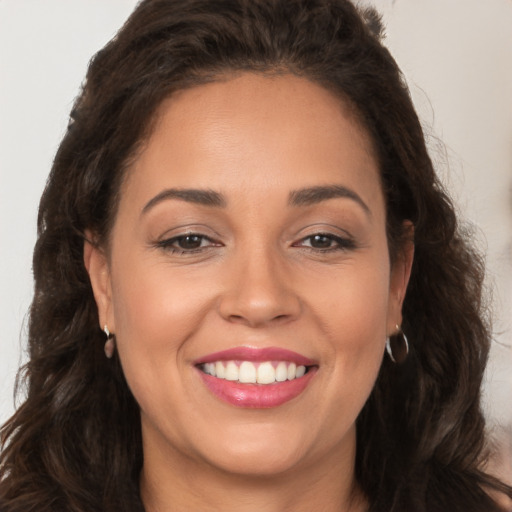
{"type": "Point", "coordinates": [167, 243]}
{"type": "Point", "coordinates": [342, 241]}
{"type": "Point", "coordinates": [187, 229]}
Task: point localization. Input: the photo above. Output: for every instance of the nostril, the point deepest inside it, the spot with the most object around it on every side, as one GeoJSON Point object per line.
{"type": "Point", "coordinates": [257, 305]}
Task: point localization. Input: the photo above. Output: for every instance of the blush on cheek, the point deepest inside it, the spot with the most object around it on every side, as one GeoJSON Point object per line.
{"type": "Point", "coordinates": [154, 315]}
{"type": "Point", "coordinates": [353, 306]}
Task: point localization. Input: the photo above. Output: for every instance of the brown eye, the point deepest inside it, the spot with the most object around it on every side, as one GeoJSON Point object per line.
{"type": "Point", "coordinates": [326, 242]}
{"type": "Point", "coordinates": [321, 241]}
{"type": "Point", "coordinates": [190, 242]}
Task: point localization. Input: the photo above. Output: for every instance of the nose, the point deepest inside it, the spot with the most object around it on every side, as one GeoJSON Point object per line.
{"type": "Point", "coordinates": [259, 291]}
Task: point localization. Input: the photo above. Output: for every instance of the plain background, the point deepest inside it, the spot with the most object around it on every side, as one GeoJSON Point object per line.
{"type": "Point", "coordinates": [455, 54]}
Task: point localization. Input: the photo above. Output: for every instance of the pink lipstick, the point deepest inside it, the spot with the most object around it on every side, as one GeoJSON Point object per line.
{"type": "Point", "coordinates": [256, 354]}
{"type": "Point", "coordinates": [256, 378]}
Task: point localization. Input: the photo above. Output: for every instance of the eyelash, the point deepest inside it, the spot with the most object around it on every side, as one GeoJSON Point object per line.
{"type": "Point", "coordinates": [341, 244]}
{"type": "Point", "coordinates": [167, 244]}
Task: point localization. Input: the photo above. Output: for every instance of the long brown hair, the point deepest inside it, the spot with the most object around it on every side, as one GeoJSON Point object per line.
{"type": "Point", "coordinates": [75, 443]}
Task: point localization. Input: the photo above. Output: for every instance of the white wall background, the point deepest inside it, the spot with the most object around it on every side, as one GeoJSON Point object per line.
{"type": "Point", "coordinates": [456, 55]}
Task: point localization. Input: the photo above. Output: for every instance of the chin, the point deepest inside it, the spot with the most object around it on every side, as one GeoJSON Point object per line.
{"type": "Point", "coordinates": [260, 450]}
{"type": "Point", "coordinates": [263, 463]}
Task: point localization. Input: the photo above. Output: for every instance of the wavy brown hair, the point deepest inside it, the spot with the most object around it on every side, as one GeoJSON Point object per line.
{"type": "Point", "coordinates": [75, 443]}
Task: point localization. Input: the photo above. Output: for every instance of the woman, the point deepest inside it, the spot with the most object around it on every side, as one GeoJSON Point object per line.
{"type": "Point", "coordinates": [240, 223]}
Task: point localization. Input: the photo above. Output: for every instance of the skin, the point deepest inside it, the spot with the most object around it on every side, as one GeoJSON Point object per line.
{"type": "Point", "coordinates": [257, 279]}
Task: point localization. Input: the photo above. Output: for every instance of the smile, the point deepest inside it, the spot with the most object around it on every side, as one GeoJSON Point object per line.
{"type": "Point", "coordinates": [247, 372]}
{"type": "Point", "coordinates": [256, 378]}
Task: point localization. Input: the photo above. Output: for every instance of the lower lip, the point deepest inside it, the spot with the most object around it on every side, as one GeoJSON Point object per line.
{"type": "Point", "coordinates": [257, 396]}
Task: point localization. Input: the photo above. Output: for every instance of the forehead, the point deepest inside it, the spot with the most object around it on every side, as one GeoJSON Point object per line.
{"type": "Point", "coordinates": [254, 132]}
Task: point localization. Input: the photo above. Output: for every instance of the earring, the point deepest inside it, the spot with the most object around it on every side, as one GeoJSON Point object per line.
{"type": "Point", "coordinates": [109, 344]}
{"type": "Point", "coordinates": [400, 350]}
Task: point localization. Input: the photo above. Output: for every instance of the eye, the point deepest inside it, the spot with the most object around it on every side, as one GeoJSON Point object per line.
{"type": "Point", "coordinates": [188, 243]}
{"type": "Point", "coordinates": [324, 242]}
{"type": "Point", "coordinates": [321, 241]}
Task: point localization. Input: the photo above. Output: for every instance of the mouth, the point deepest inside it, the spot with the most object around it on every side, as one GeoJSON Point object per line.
{"type": "Point", "coordinates": [248, 372]}
{"type": "Point", "coordinates": [256, 378]}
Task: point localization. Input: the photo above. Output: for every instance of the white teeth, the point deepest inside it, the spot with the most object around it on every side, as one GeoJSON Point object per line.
{"type": "Point", "coordinates": [292, 369]}
{"type": "Point", "coordinates": [248, 372]}
{"type": "Point", "coordinates": [219, 370]}
{"type": "Point", "coordinates": [301, 370]}
{"type": "Point", "coordinates": [231, 371]}
{"type": "Point", "coordinates": [266, 373]}
{"type": "Point", "coordinates": [281, 372]}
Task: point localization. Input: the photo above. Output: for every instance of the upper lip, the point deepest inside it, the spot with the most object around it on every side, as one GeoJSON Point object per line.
{"type": "Point", "coordinates": [256, 355]}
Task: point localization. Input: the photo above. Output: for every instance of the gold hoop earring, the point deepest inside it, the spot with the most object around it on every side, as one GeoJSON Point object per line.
{"type": "Point", "coordinates": [397, 346]}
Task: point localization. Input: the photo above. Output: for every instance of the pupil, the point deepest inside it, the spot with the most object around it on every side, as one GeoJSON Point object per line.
{"type": "Point", "coordinates": [190, 242]}
{"type": "Point", "coordinates": [321, 241]}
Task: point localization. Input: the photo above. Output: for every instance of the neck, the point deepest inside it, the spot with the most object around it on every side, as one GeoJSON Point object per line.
{"type": "Point", "coordinates": [172, 482]}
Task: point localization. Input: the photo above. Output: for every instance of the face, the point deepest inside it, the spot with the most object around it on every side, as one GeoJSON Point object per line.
{"type": "Point", "coordinates": [248, 281]}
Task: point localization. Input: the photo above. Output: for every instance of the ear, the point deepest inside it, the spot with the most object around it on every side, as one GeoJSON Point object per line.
{"type": "Point", "coordinates": [400, 274]}
{"type": "Point", "coordinates": [96, 264]}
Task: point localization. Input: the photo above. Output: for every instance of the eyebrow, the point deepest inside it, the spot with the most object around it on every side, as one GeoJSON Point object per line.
{"type": "Point", "coordinates": [313, 195]}
{"type": "Point", "coordinates": [303, 197]}
{"type": "Point", "coordinates": [190, 195]}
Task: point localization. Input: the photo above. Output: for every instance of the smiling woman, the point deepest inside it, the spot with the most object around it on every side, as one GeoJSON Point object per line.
{"type": "Point", "coordinates": [243, 218]}
{"type": "Point", "coordinates": [214, 293]}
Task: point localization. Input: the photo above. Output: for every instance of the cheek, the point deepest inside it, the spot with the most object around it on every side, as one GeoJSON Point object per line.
{"type": "Point", "coordinates": [352, 302]}
{"type": "Point", "coordinates": [156, 311]}
{"type": "Point", "coordinates": [352, 311]}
